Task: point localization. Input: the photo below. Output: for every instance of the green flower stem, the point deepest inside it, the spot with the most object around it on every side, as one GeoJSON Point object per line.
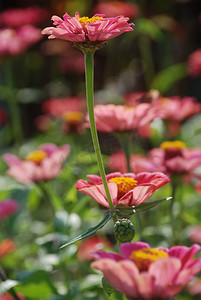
{"type": "Point", "coordinates": [11, 291]}
{"type": "Point", "coordinates": [171, 208]}
{"type": "Point", "coordinates": [89, 77]}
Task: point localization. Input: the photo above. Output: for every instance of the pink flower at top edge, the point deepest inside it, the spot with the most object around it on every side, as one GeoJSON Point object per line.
{"type": "Point", "coordinates": [194, 63]}
{"type": "Point", "coordinates": [83, 29]}
{"type": "Point", "coordinates": [120, 118]}
{"type": "Point", "coordinates": [42, 164]}
{"type": "Point", "coordinates": [148, 273]}
{"type": "Point", "coordinates": [7, 208]}
{"type": "Point", "coordinates": [17, 17]}
{"type": "Point", "coordinates": [90, 245]}
{"type": "Point", "coordinates": [128, 189]}
{"type": "Point", "coordinates": [115, 8]}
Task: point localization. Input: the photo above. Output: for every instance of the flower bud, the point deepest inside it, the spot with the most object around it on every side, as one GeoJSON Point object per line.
{"type": "Point", "coordinates": [124, 230]}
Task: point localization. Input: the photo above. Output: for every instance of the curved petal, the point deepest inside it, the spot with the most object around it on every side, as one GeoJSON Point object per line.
{"type": "Point", "coordinates": [127, 248]}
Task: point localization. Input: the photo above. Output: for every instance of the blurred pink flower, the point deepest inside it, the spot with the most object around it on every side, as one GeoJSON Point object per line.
{"type": "Point", "coordinates": [138, 163]}
{"type": "Point", "coordinates": [141, 272]}
{"type": "Point", "coordinates": [116, 8]}
{"type": "Point", "coordinates": [128, 189]}
{"type": "Point", "coordinates": [119, 118]}
{"type": "Point", "coordinates": [195, 234]}
{"type": "Point", "coordinates": [43, 122]}
{"type": "Point", "coordinates": [7, 296]}
{"type": "Point", "coordinates": [56, 107]}
{"type": "Point", "coordinates": [40, 165]}
{"type": "Point", "coordinates": [3, 117]}
{"type": "Point", "coordinates": [177, 108]}
{"type": "Point", "coordinates": [6, 246]}
{"type": "Point", "coordinates": [194, 63]}
{"type": "Point", "coordinates": [72, 62]}
{"type": "Point", "coordinates": [135, 98]}
{"type": "Point", "coordinates": [8, 207]}
{"type": "Point", "coordinates": [15, 42]}
{"type": "Point", "coordinates": [17, 17]}
{"type": "Point", "coordinates": [194, 288]}
{"type": "Point", "coordinates": [83, 29]}
{"type": "Point", "coordinates": [174, 158]}
{"type": "Point", "coordinates": [92, 244]}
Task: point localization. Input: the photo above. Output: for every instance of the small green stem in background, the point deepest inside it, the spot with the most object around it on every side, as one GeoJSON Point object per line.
{"type": "Point", "coordinates": [89, 74]}
{"type": "Point", "coordinates": [171, 208]}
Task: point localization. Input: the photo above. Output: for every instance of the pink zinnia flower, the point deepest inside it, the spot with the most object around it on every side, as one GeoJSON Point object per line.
{"type": "Point", "coordinates": [128, 189]}
{"type": "Point", "coordinates": [42, 164]}
{"type": "Point", "coordinates": [83, 29]}
{"type": "Point", "coordinates": [174, 158]}
{"type": "Point", "coordinates": [115, 8]}
{"type": "Point", "coordinates": [194, 63]}
{"type": "Point", "coordinates": [15, 42]}
{"type": "Point", "coordinates": [7, 208]}
{"type": "Point", "coordinates": [17, 17]}
{"type": "Point", "coordinates": [119, 118]}
{"type": "Point", "coordinates": [92, 244]}
{"type": "Point", "coordinates": [141, 272]}
{"type": "Point", "coordinates": [138, 163]}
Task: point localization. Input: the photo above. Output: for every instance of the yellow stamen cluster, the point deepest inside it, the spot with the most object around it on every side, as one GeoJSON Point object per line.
{"type": "Point", "coordinates": [124, 184]}
{"type": "Point", "coordinates": [36, 156]}
{"type": "Point", "coordinates": [173, 144]}
{"type": "Point", "coordinates": [145, 256]}
{"type": "Point", "coordinates": [73, 117]}
{"type": "Point", "coordinates": [86, 20]}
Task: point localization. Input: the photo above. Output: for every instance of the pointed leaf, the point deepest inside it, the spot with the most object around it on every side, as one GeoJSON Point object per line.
{"type": "Point", "coordinates": [150, 204]}
{"type": "Point", "coordinates": [107, 287]}
{"type": "Point", "coordinates": [91, 230]}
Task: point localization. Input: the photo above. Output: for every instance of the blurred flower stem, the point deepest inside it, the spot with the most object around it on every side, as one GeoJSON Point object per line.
{"type": "Point", "coordinates": [89, 78]}
{"type": "Point", "coordinates": [11, 291]}
{"type": "Point", "coordinates": [13, 105]}
{"type": "Point", "coordinates": [171, 207]}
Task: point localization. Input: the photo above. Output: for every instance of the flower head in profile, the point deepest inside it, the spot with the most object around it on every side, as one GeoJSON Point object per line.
{"type": "Point", "coordinates": [87, 33]}
{"type": "Point", "coordinates": [120, 118]}
{"type": "Point", "coordinates": [142, 272]}
{"type": "Point", "coordinates": [128, 189]}
{"type": "Point", "coordinates": [42, 164]}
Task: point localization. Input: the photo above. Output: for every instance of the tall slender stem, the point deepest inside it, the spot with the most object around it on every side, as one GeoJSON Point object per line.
{"type": "Point", "coordinates": [172, 218]}
{"type": "Point", "coordinates": [3, 277]}
{"type": "Point", "coordinates": [89, 73]}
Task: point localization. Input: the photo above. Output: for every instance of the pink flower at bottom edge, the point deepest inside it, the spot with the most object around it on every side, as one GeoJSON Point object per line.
{"type": "Point", "coordinates": [128, 189]}
{"type": "Point", "coordinates": [148, 273]}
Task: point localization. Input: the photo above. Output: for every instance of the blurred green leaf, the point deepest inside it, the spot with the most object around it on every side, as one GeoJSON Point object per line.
{"type": "Point", "coordinates": [165, 79]}
{"type": "Point", "coordinates": [35, 284]}
{"type": "Point", "coordinates": [148, 27]}
{"type": "Point", "coordinates": [91, 230]}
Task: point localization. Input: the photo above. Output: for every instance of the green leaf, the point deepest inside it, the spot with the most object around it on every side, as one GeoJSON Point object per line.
{"type": "Point", "coordinates": [107, 287]}
{"type": "Point", "coordinates": [123, 211]}
{"type": "Point", "coordinates": [7, 285]}
{"type": "Point", "coordinates": [166, 78]}
{"type": "Point", "coordinates": [150, 204]}
{"type": "Point", "coordinates": [91, 230]}
{"type": "Point", "coordinates": [35, 284]}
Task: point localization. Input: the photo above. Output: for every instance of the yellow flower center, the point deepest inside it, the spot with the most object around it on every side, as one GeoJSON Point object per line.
{"type": "Point", "coordinates": [144, 257]}
{"type": "Point", "coordinates": [73, 117]}
{"type": "Point", "coordinates": [36, 156]}
{"type": "Point", "coordinates": [173, 144]}
{"type": "Point", "coordinates": [124, 184]}
{"type": "Point", "coordinates": [86, 20]}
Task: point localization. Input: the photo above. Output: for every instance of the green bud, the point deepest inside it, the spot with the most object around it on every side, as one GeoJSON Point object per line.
{"type": "Point", "coordinates": [124, 230]}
